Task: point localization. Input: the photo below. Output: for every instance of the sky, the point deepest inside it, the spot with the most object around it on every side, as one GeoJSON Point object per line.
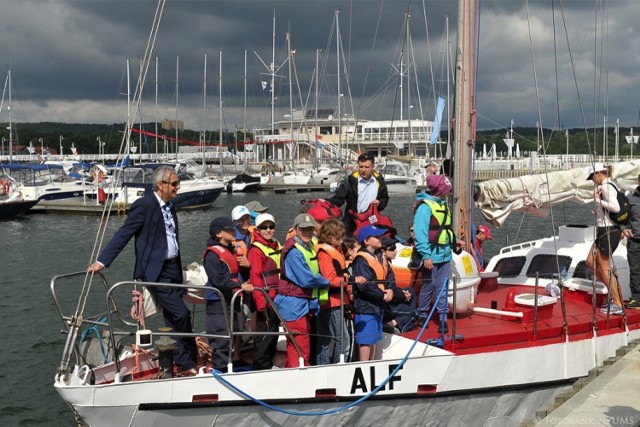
{"type": "Point", "coordinates": [68, 60]}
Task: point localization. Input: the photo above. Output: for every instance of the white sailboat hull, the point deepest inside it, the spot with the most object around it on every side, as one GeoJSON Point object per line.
{"type": "Point", "coordinates": [429, 371]}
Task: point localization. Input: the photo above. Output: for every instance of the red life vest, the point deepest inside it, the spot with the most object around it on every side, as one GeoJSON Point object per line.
{"type": "Point", "coordinates": [271, 264]}
{"type": "Point", "coordinates": [229, 259]}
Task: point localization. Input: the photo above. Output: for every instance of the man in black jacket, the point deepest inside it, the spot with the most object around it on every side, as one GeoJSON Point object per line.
{"type": "Point", "coordinates": [359, 190]}
{"type": "Point", "coordinates": [632, 232]}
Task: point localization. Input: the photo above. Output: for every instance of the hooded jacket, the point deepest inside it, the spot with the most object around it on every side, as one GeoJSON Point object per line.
{"type": "Point", "coordinates": [421, 223]}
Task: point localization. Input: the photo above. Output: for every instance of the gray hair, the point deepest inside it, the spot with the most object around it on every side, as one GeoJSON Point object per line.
{"type": "Point", "coordinates": [161, 173]}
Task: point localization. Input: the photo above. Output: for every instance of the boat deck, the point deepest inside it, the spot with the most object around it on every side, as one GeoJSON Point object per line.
{"type": "Point", "coordinates": [477, 331]}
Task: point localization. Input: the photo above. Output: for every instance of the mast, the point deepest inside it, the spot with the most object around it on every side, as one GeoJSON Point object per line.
{"type": "Point", "coordinates": [292, 144]}
{"type": "Point", "coordinates": [177, 80]}
{"type": "Point", "coordinates": [338, 85]}
{"type": "Point", "coordinates": [11, 121]}
{"type": "Point", "coordinates": [220, 111]}
{"type": "Point", "coordinates": [244, 114]}
{"type": "Point", "coordinates": [204, 114]}
{"type": "Point", "coordinates": [315, 124]}
{"type": "Point", "coordinates": [465, 119]}
{"type": "Point", "coordinates": [156, 111]}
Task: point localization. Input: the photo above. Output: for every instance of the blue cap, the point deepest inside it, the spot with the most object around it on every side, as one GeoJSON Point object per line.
{"type": "Point", "coordinates": [369, 231]}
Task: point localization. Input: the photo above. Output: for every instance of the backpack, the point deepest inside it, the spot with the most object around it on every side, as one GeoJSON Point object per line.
{"type": "Point", "coordinates": [622, 216]}
{"type": "Point", "coordinates": [320, 209]}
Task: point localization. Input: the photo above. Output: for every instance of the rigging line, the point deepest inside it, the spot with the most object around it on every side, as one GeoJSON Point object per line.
{"type": "Point", "coordinates": [575, 78]}
{"type": "Point", "coordinates": [366, 76]}
{"type": "Point", "coordinates": [426, 26]}
{"type": "Point", "coordinates": [98, 242]}
{"type": "Point", "coordinates": [546, 170]}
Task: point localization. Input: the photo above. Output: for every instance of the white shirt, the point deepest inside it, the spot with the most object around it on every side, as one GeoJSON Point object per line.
{"type": "Point", "coordinates": [170, 227]}
{"type": "Point", "coordinates": [608, 203]}
{"type": "Point", "coordinates": [367, 192]}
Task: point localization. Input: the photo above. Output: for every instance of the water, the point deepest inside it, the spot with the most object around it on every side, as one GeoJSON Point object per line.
{"type": "Point", "coordinates": [37, 247]}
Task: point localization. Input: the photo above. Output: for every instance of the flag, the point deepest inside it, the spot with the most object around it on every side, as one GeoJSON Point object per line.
{"type": "Point", "coordinates": [264, 85]}
{"type": "Point", "coordinates": [435, 134]}
{"type": "Point", "coordinates": [293, 52]}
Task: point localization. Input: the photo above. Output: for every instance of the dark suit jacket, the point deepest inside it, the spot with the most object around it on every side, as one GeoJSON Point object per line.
{"type": "Point", "coordinates": [146, 223]}
{"type": "Point", "coordinates": [347, 192]}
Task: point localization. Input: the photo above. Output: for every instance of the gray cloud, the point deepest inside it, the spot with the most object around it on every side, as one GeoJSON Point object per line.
{"type": "Point", "coordinates": [68, 58]}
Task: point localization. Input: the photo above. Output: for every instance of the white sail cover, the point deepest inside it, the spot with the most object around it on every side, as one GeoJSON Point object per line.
{"type": "Point", "coordinates": [535, 194]}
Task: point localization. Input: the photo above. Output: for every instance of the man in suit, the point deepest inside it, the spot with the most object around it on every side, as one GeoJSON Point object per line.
{"type": "Point", "coordinates": [359, 190]}
{"type": "Point", "coordinates": [152, 220]}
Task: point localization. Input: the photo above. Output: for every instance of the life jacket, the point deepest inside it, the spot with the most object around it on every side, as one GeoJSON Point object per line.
{"type": "Point", "coordinates": [288, 287]}
{"type": "Point", "coordinates": [241, 245]}
{"type": "Point", "coordinates": [372, 216]}
{"type": "Point", "coordinates": [379, 269]}
{"type": "Point", "coordinates": [440, 231]}
{"type": "Point", "coordinates": [340, 266]}
{"type": "Point", "coordinates": [320, 209]}
{"type": "Point", "coordinates": [271, 266]}
{"type": "Point", "coordinates": [229, 259]}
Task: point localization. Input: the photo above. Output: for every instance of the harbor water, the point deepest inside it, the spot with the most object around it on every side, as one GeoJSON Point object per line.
{"type": "Point", "coordinates": [36, 247]}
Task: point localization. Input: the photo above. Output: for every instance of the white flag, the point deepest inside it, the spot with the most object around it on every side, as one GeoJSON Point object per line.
{"type": "Point", "coordinates": [264, 85]}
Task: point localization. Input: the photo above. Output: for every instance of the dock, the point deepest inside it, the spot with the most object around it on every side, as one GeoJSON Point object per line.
{"type": "Point", "coordinates": [295, 188]}
{"type": "Point", "coordinates": [77, 206]}
{"type": "Point", "coordinates": [607, 397]}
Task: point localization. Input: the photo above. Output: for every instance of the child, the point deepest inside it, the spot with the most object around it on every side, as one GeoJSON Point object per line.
{"type": "Point", "coordinates": [370, 296]}
{"type": "Point", "coordinates": [221, 264]}
{"type": "Point", "coordinates": [400, 312]}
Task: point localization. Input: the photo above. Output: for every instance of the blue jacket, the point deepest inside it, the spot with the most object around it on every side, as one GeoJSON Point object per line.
{"type": "Point", "coordinates": [421, 220]}
{"type": "Point", "coordinates": [293, 308]}
{"type": "Point", "coordinates": [146, 223]}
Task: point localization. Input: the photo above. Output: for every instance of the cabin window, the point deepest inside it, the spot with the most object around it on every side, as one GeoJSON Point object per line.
{"type": "Point", "coordinates": [547, 265]}
{"type": "Point", "coordinates": [325, 130]}
{"type": "Point", "coordinates": [582, 271]}
{"type": "Point", "coordinates": [510, 267]}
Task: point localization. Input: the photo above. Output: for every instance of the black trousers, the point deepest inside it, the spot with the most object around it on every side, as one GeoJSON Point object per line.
{"type": "Point", "coordinates": [633, 257]}
{"type": "Point", "coordinates": [264, 346]}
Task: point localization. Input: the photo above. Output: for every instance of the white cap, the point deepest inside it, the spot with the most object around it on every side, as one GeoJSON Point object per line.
{"type": "Point", "coordinates": [264, 218]}
{"type": "Point", "coordinates": [596, 167]}
{"type": "Point", "coordinates": [238, 212]}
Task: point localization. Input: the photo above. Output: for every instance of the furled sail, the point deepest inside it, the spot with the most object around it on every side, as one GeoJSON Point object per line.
{"type": "Point", "coordinates": [535, 194]}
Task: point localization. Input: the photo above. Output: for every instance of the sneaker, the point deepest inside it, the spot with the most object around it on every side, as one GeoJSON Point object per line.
{"type": "Point", "coordinates": [633, 303]}
{"type": "Point", "coordinates": [614, 310]}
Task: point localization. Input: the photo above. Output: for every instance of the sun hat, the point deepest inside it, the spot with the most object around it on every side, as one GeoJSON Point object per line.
{"type": "Point", "coordinates": [369, 231]}
{"type": "Point", "coordinates": [438, 185]}
{"type": "Point", "coordinates": [264, 218]}
{"type": "Point", "coordinates": [238, 212]}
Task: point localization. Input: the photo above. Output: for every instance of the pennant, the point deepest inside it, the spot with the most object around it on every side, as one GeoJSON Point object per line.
{"type": "Point", "coordinates": [435, 134]}
{"type": "Point", "coordinates": [264, 85]}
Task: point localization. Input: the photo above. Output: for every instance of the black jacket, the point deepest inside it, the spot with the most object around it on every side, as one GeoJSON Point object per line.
{"type": "Point", "coordinates": [347, 192]}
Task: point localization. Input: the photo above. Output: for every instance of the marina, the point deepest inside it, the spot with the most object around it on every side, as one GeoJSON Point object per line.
{"type": "Point", "coordinates": [510, 320]}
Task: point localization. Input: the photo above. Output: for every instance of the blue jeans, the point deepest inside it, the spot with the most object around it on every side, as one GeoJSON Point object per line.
{"type": "Point", "coordinates": [329, 322]}
{"type": "Point", "coordinates": [432, 282]}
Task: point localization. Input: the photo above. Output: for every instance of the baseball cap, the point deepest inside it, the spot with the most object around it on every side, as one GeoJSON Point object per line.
{"type": "Point", "coordinates": [484, 229]}
{"type": "Point", "coordinates": [219, 224]}
{"type": "Point", "coordinates": [304, 221]}
{"type": "Point", "coordinates": [388, 241]}
{"type": "Point", "coordinates": [264, 218]}
{"type": "Point", "coordinates": [369, 231]}
{"type": "Point", "coordinates": [596, 167]}
{"type": "Point", "coordinates": [238, 212]}
{"type": "Point", "coordinates": [438, 185]}
{"type": "Point", "coordinates": [255, 206]}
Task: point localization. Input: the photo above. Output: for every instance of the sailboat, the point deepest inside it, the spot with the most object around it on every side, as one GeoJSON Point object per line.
{"type": "Point", "coordinates": [503, 334]}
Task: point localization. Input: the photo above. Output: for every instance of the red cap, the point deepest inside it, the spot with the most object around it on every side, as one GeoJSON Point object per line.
{"type": "Point", "coordinates": [484, 229]}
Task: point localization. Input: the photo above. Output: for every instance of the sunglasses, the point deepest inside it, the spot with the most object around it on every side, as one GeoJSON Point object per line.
{"type": "Point", "coordinates": [174, 184]}
{"type": "Point", "coordinates": [266, 227]}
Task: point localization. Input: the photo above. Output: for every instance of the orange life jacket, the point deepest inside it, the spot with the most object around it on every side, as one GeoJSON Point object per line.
{"type": "Point", "coordinates": [378, 268]}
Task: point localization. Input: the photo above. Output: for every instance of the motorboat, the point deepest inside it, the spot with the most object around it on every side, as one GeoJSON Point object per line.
{"type": "Point", "coordinates": [44, 182]}
{"type": "Point", "coordinates": [243, 183]}
{"type": "Point", "coordinates": [398, 177]}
